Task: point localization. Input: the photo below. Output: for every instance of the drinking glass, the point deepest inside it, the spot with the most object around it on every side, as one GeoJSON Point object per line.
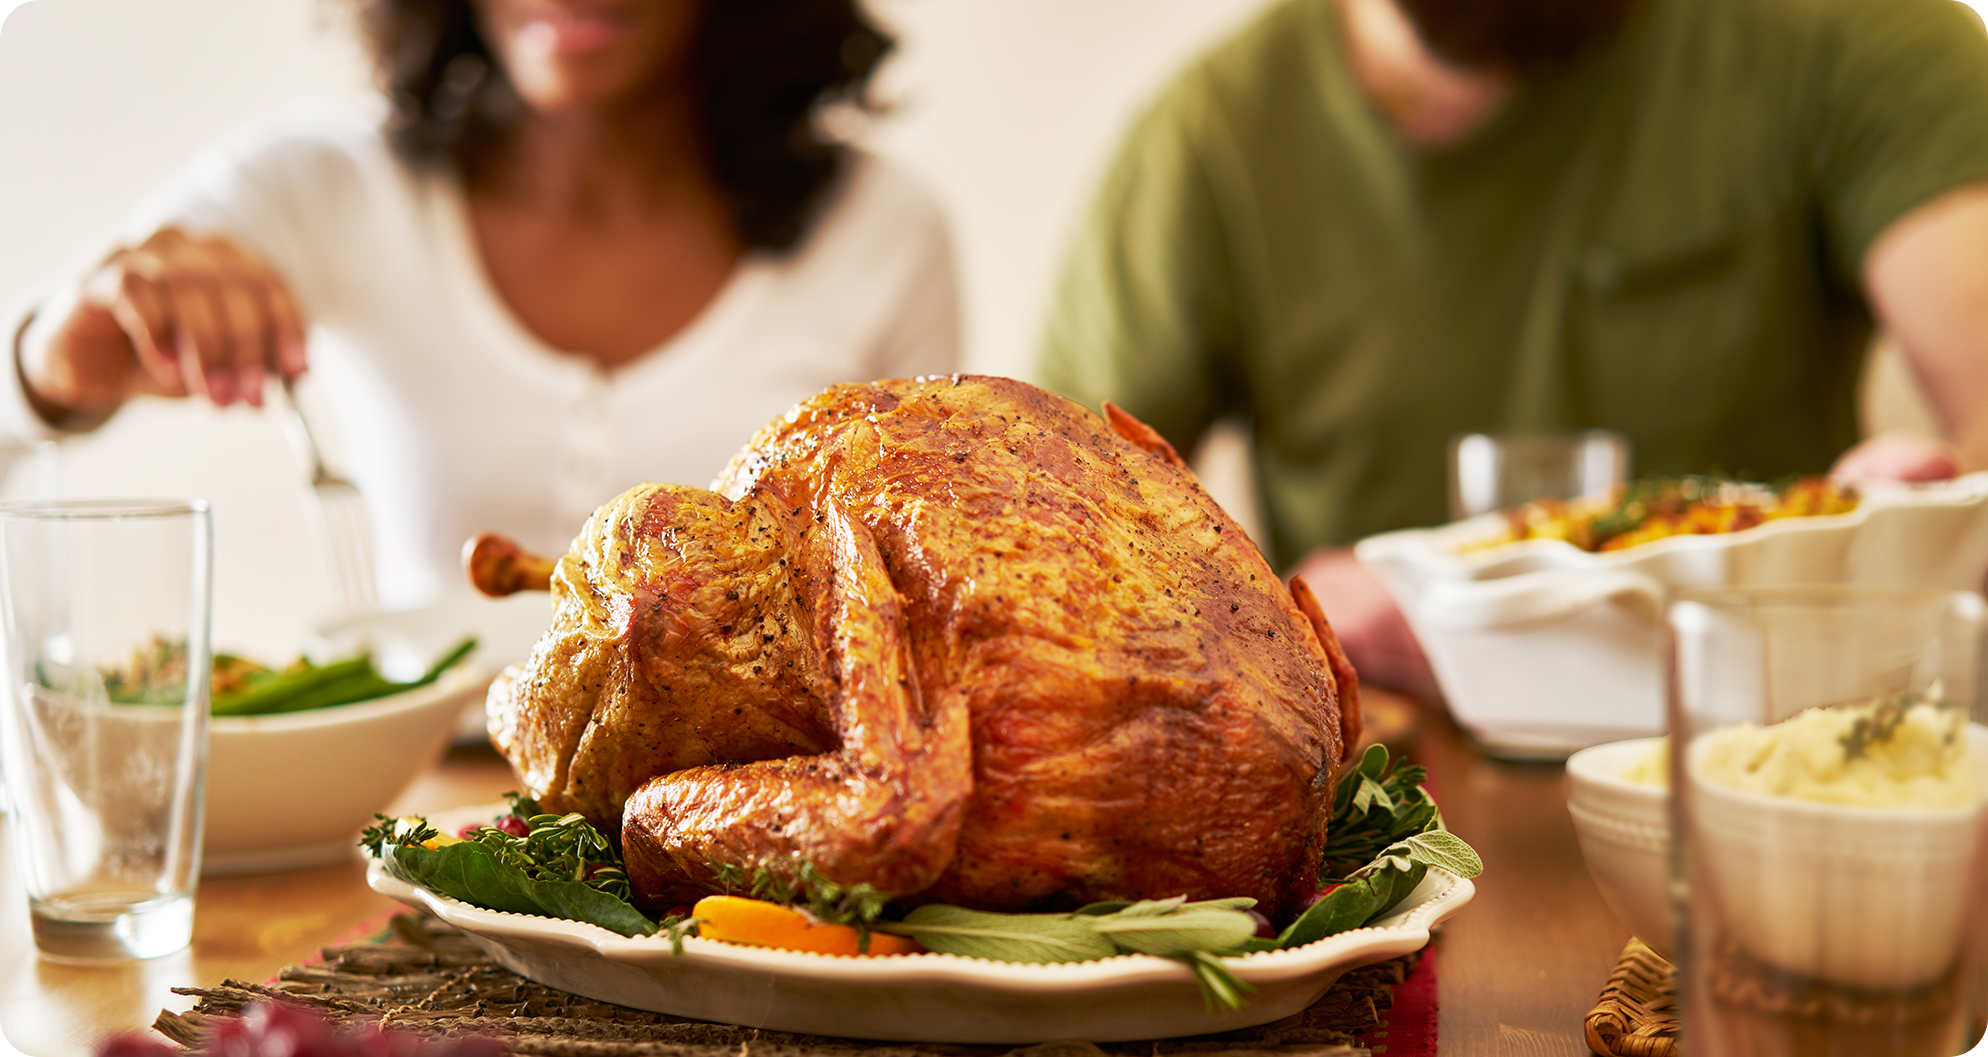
{"type": "Point", "coordinates": [1827, 775]}
{"type": "Point", "coordinates": [103, 738]}
{"type": "Point", "coordinates": [1497, 471]}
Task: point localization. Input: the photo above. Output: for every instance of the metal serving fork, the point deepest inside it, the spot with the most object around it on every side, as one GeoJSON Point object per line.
{"type": "Point", "coordinates": [344, 532]}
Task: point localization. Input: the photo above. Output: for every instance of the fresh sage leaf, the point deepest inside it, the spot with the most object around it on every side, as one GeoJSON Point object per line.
{"type": "Point", "coordinates": [1179, 931]}
{"type": "Point", "coordinates": [1445, 851]}
{"type": "Point", "coordinates": [471, 872]}
{"type": "Point", "coordinates": [1346, 906]}
{"type": "Point", "coordinates": [1002, 937]}
{"type": "Point", "coordinates": [1227, 903]}
{"type": "Point", "coordinates": [1374, 807]}
{"type": "Point", "coordinates": [1147, 908]}
{"type": "Point", "coordinates": [1394, 886]}
{"type": "Point", "coordinates": [1370, 795]}
{"type": "Point", "coordinates": [1220, 988]}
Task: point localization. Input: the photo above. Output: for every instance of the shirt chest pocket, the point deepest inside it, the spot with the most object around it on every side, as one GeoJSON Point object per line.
{"type": "Point", "coordinates": [1699, 254]}
{"type": "Point", "coordinates": [1671, 331]}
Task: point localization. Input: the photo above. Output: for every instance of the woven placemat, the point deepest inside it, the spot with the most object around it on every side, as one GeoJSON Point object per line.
{"type": "Point", "coordinates": [1637, 1014]}
{"type": "Point", "coordinates": [424, 976]}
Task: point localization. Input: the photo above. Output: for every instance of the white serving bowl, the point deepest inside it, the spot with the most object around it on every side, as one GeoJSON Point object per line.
{"type": "Point", "coordinates": [1869, 897]}
{"type": "Point", "coordinates": [1624, 831]}
{"type": "Point", "coordinates": [1542, 648]}
{"type": "Point", "coordinates": [293, 790]}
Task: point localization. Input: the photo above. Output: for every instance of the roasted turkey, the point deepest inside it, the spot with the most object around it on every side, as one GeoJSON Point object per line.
{"type": "Point", "coordinates": [957, 638]}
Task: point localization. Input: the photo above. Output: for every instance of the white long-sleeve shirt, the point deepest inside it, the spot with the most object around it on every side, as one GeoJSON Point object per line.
{"type": "Point", "coordinates": [455, 419]}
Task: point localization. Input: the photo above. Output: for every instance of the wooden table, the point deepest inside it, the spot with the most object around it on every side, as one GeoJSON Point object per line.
{"type": "Point", "coordinates": [1519, 967]}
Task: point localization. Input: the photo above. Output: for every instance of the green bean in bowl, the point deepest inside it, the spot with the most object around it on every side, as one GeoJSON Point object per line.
{"type": "Point", "coordinates": [241, 687]}
{"type": "Point", "coordinates": [303, 684]}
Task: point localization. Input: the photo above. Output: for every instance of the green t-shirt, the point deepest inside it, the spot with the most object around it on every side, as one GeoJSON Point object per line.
{"type": "Point", "coordinates": [1663, 239]}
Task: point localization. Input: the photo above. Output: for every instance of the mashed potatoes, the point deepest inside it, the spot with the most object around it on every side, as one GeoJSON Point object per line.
{"type": "Point", "coordinates": [1892, 754]}
{"type": "Point", "coordinates": [1651, 768]}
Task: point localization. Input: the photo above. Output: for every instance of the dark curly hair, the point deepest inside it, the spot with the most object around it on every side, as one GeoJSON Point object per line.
{"type": "Point", "coordinates": [764, 68]}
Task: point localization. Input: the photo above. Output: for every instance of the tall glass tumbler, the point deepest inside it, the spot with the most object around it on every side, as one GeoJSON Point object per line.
{"type": "Point", "coordinates": [1828, 776]}
{"type": "Point", "coordinates": [103, 738]}
{"type": "Point", "coordinates": [1497, 471]}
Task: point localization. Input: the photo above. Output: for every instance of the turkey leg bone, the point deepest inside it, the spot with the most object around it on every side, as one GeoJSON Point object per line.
{"type": "Point", "coordinates": [499, 567]}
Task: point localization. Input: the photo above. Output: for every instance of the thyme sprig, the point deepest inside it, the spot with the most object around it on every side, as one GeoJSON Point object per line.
{"type": "Point", "coordinates": [1879, 724]}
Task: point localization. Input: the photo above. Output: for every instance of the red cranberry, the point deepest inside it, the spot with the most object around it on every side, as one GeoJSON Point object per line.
{"type": "Point", "coordinates": [515, 826]}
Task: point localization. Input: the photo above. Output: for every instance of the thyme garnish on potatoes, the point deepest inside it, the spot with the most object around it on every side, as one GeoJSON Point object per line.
{"type": "Point", "coordinates": [1879, 724]}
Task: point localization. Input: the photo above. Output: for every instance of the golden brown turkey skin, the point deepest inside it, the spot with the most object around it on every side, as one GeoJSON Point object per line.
{"type": "Point", "coordinates": [958, 638]}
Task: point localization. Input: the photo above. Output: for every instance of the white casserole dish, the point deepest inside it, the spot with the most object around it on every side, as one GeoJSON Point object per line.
{"type": "Point", "coordinates": [1541, 648]}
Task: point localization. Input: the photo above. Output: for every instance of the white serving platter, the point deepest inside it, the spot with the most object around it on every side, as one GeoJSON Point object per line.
{"type": "Point", "coordinates": [921, 997]}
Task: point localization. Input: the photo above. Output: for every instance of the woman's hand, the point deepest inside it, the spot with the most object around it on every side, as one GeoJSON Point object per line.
{"type": "Point", "coordinates": [174, 316]}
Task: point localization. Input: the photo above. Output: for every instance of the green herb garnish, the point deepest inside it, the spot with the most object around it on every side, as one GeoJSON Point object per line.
{"type": "Point", "coordinates": [1385, 834]}
{"type": "Point", "coordinates": [857, 905]}
{"type": "Point", "coordinates": [1879, 724]}
{"type": "Point", "coordinates": [1373, 810]}
{"type": "Point", "coordinates": [1378, 887]}
{"type": "Point", "coordinates": [562, 867]}
{"type": "Point", "coordinates": [1194, 934]}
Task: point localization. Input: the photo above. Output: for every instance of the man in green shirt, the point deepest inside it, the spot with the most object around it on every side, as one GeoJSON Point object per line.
{"type": "Point", "coordinates": [1369, 225]}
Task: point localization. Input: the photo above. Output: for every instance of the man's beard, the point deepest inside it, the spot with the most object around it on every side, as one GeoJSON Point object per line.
{"type": "Point", "coordinates": [1515, 36]}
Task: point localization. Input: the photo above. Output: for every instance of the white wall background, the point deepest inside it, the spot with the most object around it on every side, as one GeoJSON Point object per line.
{"type": "Point", "coordinates": [1008, 108]}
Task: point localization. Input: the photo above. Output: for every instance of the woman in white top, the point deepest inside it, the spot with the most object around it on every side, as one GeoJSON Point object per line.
{"type": "Point", "coordinates": [594, 242]}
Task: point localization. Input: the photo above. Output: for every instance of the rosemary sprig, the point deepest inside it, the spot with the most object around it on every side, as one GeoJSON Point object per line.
{"type": "Point", "coordinates": [396, 833]}
{"type": "Point", "coordinates": [554, 847]}
{"type": "Point", "coordinates": [1879, 724]}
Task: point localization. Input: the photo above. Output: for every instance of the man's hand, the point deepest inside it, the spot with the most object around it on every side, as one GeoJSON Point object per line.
{"type": "Point", "coordinates": [1372, 631]}
{"type": "Point", "coordinates": [173, 316]}
{"type": "Point", "coordinates": [1896, 456]}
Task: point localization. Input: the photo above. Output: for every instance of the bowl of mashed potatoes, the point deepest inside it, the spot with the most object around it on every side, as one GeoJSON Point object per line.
{"type": "Point", "coordinates": [1840, 843]}
{"type": "Point", "coordinates": [1618, 796]}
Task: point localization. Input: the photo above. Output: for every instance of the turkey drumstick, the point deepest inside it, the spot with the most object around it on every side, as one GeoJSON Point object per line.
{"type": "Point", "coordinates": [499, 567]}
